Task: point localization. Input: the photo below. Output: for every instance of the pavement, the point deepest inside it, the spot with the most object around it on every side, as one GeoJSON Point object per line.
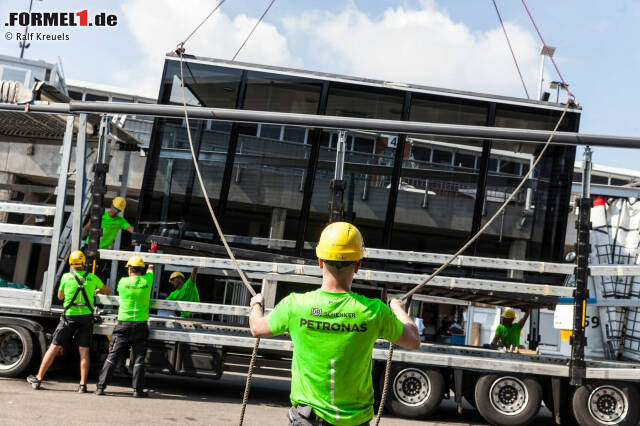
{"type": "Point", "coordinates": [176, 401]}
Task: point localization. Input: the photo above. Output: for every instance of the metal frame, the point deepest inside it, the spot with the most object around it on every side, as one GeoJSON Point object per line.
{"type": "Point", "coordinates": [49, 281]}
{"type": "Point", "coordinates": [78, 200]}
{"type": "Point", "coordinates": [365, 275]}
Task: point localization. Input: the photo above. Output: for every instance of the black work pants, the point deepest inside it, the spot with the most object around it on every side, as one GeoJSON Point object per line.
{"type": "Point", "coordinates": [126, 334]}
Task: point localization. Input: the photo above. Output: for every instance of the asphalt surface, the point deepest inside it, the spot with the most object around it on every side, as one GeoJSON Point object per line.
{"type": "Point", "coordinates": [175, 401]}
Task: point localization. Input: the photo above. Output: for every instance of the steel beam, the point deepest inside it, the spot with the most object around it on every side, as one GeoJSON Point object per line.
{"type": "Point", "coordinates": [49, 283]}
{"type": "Point", "coordinates": [27, 208]}
{"type": "Point", "coordinates": [332, 122]}
{"type": "Point", "coordinates": [451, 283]}
{"type": "Point", "coordinates": [78, 199]}
{"type": "Point", "coordinates": [12, 228]}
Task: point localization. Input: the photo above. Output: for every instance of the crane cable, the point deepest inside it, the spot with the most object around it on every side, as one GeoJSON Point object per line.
{"type": "Point", "coordinates": [513, 55]}
{"type": "Point", "coordinates": [437, 272]}
{"type": "Point", "coordinates": [253, 29]}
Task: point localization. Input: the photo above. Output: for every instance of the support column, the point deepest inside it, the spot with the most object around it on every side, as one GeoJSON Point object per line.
{"type": "Point", "coordinates": [276, 232]}
{"type": "Point", "coordinates": [517, 250]}
{"type": "Point", "coordinates": [124, 181]}
{"type": "Point", "coordinates": [278, 220]}
{"type": "Point", "coordinates": [5, 195]}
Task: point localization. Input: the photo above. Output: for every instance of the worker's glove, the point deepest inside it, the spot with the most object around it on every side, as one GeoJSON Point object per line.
{"type": "Point", "coordinates": [154, 248]}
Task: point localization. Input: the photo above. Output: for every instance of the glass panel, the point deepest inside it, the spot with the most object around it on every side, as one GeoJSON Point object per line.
{"type": "Point", "coordinates": [465, 160]}
{"type": "Point", "coordinates": [435, 110]}
{"type": "Point", "coordinates": [14, 75]}
{"type": "Point", "coordinates": [295, 134]}
{"type": "Point", "coordinates": [75, 95]}
{"type": "Point", "coordinates": [435, 203]}
{"type": "Point", "coordinates": [363, 104]}
{"type": "Point", "coordinates": [267, 184]}
{"type": "Point", "coordinates": [442, 157]}
{"type": "Point", "coordinates": [599, 180]}
{"type": "Point", "coordinates": [272, 92]}
{"type": "Point", "coordinates": [270, 131]}
{"type": "Point", "coordinates": [92, 97]}
{"type": "Point", "coordinates": [205, 85]}
{"type": "Point", "coordinates": [116, 99]}
{"type": "Point", "coordinates": [368, 180]}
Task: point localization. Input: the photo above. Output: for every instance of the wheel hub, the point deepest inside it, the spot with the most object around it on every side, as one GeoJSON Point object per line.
{"type": "Point", "coordinates": [608, 405]}
{"type": "Point", "coordinates": [411, 386]}
{"type": "Point", "coordinates": [11, 348]}
{"type": "Point", "coordinates": [509, 395]}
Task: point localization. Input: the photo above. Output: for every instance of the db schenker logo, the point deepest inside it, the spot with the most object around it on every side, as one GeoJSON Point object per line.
{"type": "Point", "coordinates": [61, 19]}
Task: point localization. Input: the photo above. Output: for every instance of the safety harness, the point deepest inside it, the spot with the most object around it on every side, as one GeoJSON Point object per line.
{"type": "Point", "coordinates": [81, 281]}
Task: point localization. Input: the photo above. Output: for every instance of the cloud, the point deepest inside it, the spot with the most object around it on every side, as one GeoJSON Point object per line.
{"type": "Point", "coordinates": [417, 46]}
{"type": "Point", "coordinates": [421, 45]}
{"type": "Point", "coordinates": [159, 28]}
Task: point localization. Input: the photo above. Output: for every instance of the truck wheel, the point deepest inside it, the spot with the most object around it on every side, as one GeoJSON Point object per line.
{"type": "Point", "coordinates": [606, 403]}
{"type": "Point", "coordinates": [414, 392]}
{"type": "Point", "coordinates": [16, 350]}
{"type": "Point", "coordinates": [508, 400]}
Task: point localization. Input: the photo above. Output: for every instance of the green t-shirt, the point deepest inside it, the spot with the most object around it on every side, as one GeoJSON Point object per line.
{"type": "Point", "coordinates": [68, 285]}
{"type": "Point", "coordinates": [110, 228]}
{"type": "Point", "coordinates": [188, 293]}
{"type": "Point", "coordinates": [509, 335]}
{"type": "Point", "coordinates": [333, 336]}
{"type": "Point", "coordinates": [135, 293]}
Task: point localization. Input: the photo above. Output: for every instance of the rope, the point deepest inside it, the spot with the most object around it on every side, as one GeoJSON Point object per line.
{"type": "Point", "coordinates": [385, 387]}
{"type": "Point", "coordinates": [180, 51]}
{"type": "Point", "coordinates": [564, 84]}
{"type": "Point", "coordinates": [253, 29]}
{"type": "Point", "coordinates": [201, 23]}
{"type": "Point", "coordinates": [513, 55]}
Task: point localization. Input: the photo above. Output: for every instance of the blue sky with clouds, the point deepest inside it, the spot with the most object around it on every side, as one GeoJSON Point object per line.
{"type": "Point", "coordinates": [448, 43]}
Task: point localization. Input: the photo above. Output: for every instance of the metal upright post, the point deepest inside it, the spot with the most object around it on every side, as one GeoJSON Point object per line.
{"type": "Point", "coordinates": [336, 204]}
{"type": "Point", "coordinates": [577, 368]}
{"type": "Point", "coordinates": [78, 200]}
{"type": "Point", "coordinates": [123, 193]}
{"type": "Point", "coordinates": [49, 282]}
{"type": "Point", "coordinates": [100, 169]}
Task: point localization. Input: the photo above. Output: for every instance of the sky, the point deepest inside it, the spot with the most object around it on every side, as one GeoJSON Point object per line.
{"type": "Point", "coordinates": [456, 44]}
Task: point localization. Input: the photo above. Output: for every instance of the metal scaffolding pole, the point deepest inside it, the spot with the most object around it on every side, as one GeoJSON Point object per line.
{"type": "Point", "coordinates": [332, 122]}
{"type": "Point", "coordinates": [49, 282]}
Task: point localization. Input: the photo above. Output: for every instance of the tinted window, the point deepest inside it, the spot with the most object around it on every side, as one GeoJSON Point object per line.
{"type": "Point", "coordinates": [270, 92]}
{"type": "Point", "coordinates": [363, 104]}
{"type": "Point", "coordinates": [75, 95]}
{"type": "Point", "coordinates": [465, 160]}
{"type": "Point", "coordinates": [448, 111]}
{"type": "Point", "coordinates": [442, 157]}
{"type": "Point", "coordinates": [92, 97]}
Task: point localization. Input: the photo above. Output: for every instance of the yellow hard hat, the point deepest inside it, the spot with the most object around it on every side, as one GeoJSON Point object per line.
{"type": "Point", "coordinates": [119, 203]}
{"type": "Point", "coordinates": [135, 261]}
{"type": "Point", "coordinates": [175, 275]}
{"type": "Point", "coordinates": [509, 313]}
{"type": "Point", "coordinates": [76, 258]}
{"type": "Point", "coordinates": [340, 241]}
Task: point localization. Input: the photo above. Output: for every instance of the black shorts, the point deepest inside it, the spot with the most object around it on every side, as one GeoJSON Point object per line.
{"type": "Point", "coordinates": [76, 325]}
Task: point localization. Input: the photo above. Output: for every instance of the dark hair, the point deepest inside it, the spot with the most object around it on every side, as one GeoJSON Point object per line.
{"type": "Point", "coordinates": [339, 264]}
{"type": "Point", "coordinates": [138, 269]}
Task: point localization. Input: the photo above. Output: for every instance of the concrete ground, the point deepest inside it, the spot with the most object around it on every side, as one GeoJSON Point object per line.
{"type": "Point", "coordinates": [174, 401]}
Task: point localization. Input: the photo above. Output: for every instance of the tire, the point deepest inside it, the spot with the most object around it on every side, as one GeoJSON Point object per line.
{"type": "Point", "coordinates": [16, 350]}
{"type": "Point", "coordinates": [602, 403]}
{"type": "Point", "coordinates": [413, 392]}
{"type": "Point", "coordinates": [508, 400]}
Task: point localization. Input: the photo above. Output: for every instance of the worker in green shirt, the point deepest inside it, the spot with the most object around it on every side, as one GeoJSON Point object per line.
{"type": "Point", "coordinates": [186, 291]}
{"type": "Point", "coordinates": [77, 288]}
{"type": "Point", "coordinates": [333, 331]}
{"type": "Point", "coordinates": [508, 331]}
{"type": "Point", "coordinates": [112, 222]}
{"type": "Point", "coordinates": [131, 330]}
